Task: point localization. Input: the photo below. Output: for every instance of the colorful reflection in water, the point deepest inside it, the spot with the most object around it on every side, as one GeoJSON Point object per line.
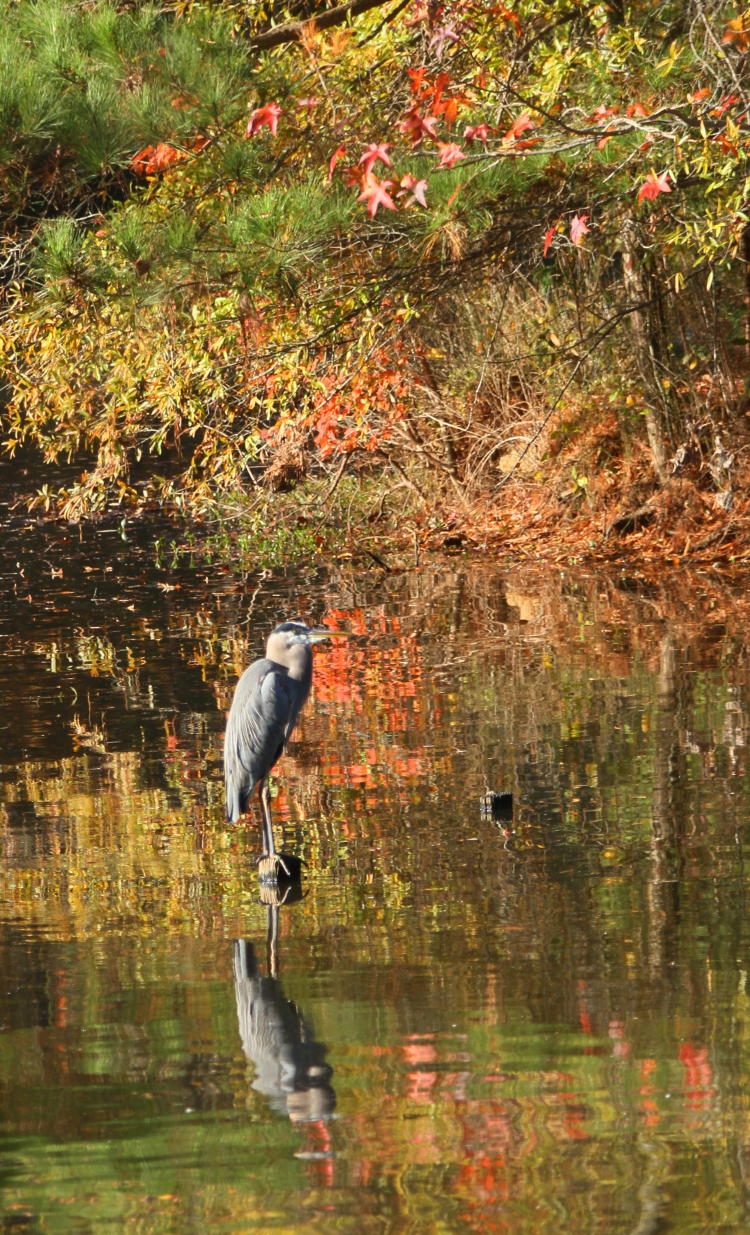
{"type": "Point", "coordinates": [464, 1023]}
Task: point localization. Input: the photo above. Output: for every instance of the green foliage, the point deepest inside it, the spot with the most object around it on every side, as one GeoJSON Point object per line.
{"type": "Point", "coordinates": [131, 236]}
{"type": "Point", "coordinates": [61, 260]}
{"type": "Point", "coordinates": [282, 232]}
{"type": "Point", "coordinates": [97, 82]}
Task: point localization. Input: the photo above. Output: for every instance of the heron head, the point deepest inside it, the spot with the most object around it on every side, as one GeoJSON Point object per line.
{"type": "Point", "coordinates": [301, 633]}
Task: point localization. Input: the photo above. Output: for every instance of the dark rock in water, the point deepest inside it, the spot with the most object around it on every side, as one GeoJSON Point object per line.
{"type": "Point", "coordinates": [279, 892]}
{"type": "Point", "coordinates": [282, 868]}
{"type": "Point", "coordinates": [497, 806]}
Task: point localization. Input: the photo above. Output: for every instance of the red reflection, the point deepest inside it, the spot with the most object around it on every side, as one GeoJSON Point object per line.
{"type": "Point", "coordinates": [698, 1081]}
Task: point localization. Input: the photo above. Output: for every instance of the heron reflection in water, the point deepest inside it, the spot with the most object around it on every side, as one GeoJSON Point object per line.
{"type": "Point", "coordinates": [268, 699]}
{"type": "Point", "coordinates": [290, 1066]}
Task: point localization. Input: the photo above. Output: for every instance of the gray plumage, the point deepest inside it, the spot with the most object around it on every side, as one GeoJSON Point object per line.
{"type": "Point", "coordinates": [266, 705]}
{"type": "Point", "coordinates": [290, 1065]}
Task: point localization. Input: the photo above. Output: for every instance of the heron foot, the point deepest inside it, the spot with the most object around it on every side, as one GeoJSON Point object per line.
{"type": "Point", "coordinates": [279, 868]}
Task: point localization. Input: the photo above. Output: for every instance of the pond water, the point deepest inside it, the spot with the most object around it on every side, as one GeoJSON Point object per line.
{"type": "Point", "coordinates": [465, 1023]}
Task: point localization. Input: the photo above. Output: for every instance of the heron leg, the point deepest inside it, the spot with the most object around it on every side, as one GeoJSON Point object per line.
{"type": "Point", "coordinates": [264, 798]}
{"type": "Point", "coordinates": [269, 848]}
{"type": "Point", "coordinates": [272, 941]}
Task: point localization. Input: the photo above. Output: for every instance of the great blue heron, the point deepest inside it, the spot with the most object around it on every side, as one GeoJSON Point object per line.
{"type": "Point", "coordinates": [268, 699]}
{"type": "Point", "coordinates": [290, 1064]}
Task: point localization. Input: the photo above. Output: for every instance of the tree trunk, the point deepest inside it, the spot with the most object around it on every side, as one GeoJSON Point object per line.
{"type": "Point", "coordinates": [668, 814]}
{"type": "Point", "coordinates": [644, 324]}
{"type": "Point", "coordinates": [746, 260]}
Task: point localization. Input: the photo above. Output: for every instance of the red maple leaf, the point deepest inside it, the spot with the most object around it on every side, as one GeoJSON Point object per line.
{"type": "Point", "coordinates": [548, 237]}
{"type": "Point", "coordinates": [477, 132]}
{"type": "Point", "coordinates": [602, 113]}
{"type": "Point", "coordinates": [578, 228]}
{"type": "Point", "coordinates": [508, 15]}
{"type": "Point", "coordinates": [450, 153]}
{"type": "Point", "coordinates": [441, 81]}
{"type": "Point", "coordinates": [519, 126]}
{"type": "Point", "coordinates": [653, 185]}
{"type": "Point", "coordinates": [141, 161]}
{"type": "Point", "coordinates": [447, 34]}
{"type": "Point", "coordinates": [446, 102]}
{"type": "Point", "coordinates": [728, 101]}
{"type": "Point", "coordinates": [337, 154]}
{"type": "Point", "coordinates": [450, 109]}
{"type": "Point", "coordinates": [417, 126]}
{"type": "Point", "coordinates": [354, 175]}
{"type": "Point", "coordinates": [263, 115]}
{"type": "Point", "coordinates": [416, 80]}
{"type": "Point", "coordinates": [165, 156]}
{"type": "Point", "coordinates": [374, 152]}
{"type": "Point", "coordinates": [153, 159]}
{"type": "Point", "coordinates": [727, 146]}
{"type": "Point", "coordinates": [375, 193]}
{"type": "Point", "coordinates": [417, 188]}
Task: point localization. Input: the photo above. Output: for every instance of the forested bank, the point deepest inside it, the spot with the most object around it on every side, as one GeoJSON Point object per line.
{"type": "Point", "coordinates": [458, 271]}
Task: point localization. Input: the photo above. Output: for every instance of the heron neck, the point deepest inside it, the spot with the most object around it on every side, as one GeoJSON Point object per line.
{"type": "Point", "coordinates": [299, 664]}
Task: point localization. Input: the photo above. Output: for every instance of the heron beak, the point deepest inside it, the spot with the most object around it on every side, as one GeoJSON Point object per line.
{"type": "Point", "coordinates": [318, 633]}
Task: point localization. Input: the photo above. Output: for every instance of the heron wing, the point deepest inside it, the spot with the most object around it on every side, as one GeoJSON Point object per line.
{"type": "Point", "coordinates": [261, 717]}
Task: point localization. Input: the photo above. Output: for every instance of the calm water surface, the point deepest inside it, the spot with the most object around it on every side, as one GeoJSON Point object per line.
{"type": "Point", "coordinates": [465, 1023]}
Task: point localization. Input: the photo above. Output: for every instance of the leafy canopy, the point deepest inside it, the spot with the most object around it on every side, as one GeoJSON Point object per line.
{"type": "Point", "coordinates": [227, 259]}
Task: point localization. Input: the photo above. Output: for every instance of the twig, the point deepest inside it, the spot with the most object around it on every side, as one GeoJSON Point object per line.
{"type": "Point", "coordinates": [340, 472]}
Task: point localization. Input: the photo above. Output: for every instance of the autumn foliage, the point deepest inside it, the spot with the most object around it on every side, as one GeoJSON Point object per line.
{"type": "Point", "coordinates": [417, 246]}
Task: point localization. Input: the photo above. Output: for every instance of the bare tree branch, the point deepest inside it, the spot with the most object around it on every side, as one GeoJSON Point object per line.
{"type": "Point", "coordinates": [322, 21]}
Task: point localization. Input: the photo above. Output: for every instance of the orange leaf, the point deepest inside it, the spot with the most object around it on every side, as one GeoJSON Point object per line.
{"type": "Point", "coordinates": [153, 159]}
{"type": "Point", "coordinates": [451, 110]}
{"type": "Point", "coordinates": [519, 126]}
{"type": "Point", "coordinates": [263, 115]}
{"type": "Point", "coordinates": [737, 32]}
{"type": "Point", "coordinates": [338, 152]}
